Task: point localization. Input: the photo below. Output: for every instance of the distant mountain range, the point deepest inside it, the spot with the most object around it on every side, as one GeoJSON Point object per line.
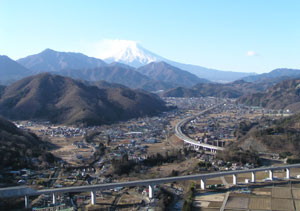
{"type": "Point", "coordinates": [162, 76]}
{"type": "Point", "coordinates": [11, 70]}
{"type": "Point", "coordinates": [110, 73]}
{"type": "Point", "coordinates": [284, 95]}
{"type": "Point", "coordinates": [130, 53]}
{"type": "Point", "coordinates": [155, 76]}
{"type": "Point", "coordinates": [53, 61]}
{"type": "Point", "coordinates": [204, 90]}
{"type": "Point", "coordinates": [161, 71]}
{"type": "Point", "coordinates": [63, 100]}
{"type": "Point", "coordinates": [133, 54]}
{"type": "Point", "coordinates": [277, 74]}
{"type": "Point", "coordinates": [230, 90]}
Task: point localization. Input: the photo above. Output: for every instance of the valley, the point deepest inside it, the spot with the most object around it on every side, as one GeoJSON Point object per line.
{"type": "Point", "coordinates": [149, 105]}
{"type": "Point", "coordinates": [71, 129]}
{"type": "Point", "coordinates": [142, 148]}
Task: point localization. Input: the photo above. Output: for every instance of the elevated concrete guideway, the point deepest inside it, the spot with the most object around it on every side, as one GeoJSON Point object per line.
{"type": "Point", "coordinates": [182, 136]}
{"type": "Point", "coordinates": [26, 192]}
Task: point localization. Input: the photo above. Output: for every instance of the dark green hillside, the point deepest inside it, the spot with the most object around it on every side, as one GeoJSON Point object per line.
{"type": "Point", "coordinates": [204, 90]}
{"type": "Point", "coordinates": [276, 136]}
{"type": "Point", "coordinates": [20, 149]}
{"type": "Point", "coordinates": [284, 95]}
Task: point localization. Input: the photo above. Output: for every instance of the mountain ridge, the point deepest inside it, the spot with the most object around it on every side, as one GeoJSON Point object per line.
{"type": "Point", "coordinates": [132, 53]}
{"type": "Point", "coordinates": [91, 69]}
{"type": "Point", "coordinates": [276, 73]}
{"type": "Point", "coordinates": [53, 61]}
{"type": "Point", "coordinates": [120, 74]}
{"type": "Point", "coordinates": [10, 70]}
{"type": "Point", "coordinates": [234, 89]}
{"type": "Point", "coordinates": [284, 95]}
{"type": "Point", "coordinates": [162, 71]}
{"type": "Point", "coordinates": [63, 100]}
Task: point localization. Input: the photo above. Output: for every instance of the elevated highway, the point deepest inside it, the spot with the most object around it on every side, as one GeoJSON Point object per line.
{"type": "Point", "coordinates": [26, 192]}
{"type": "Point", "coordinates": [186, 139]}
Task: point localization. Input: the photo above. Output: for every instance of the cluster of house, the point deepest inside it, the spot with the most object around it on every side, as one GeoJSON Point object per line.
{"type": "Point", "coordinates": [25, 176]}
{"type": "Point", "coordinates": [63, 131]}
{"type": "Point", "coordinates": [214, 129]}
{"type": "Point", "coordinates": [193, 102]}
{"type": "Point", "coordinates": [27, 124]}
{"type": "Point", "coordinates": [80, 144]}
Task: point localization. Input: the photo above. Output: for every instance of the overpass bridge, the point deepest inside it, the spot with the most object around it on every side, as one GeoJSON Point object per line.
{"type": "Point", "coordinates": [186, 139]}
{"type": "Point", "coordinates": [26, 191]}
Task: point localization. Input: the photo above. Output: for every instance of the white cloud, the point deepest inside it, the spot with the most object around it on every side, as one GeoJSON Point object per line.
{"type": "Point", "coordinates": [251, 53]}
{"type": "Point", "coordinates": [108, 47]}
{"type": "Point", "coordinates": [105, 48]}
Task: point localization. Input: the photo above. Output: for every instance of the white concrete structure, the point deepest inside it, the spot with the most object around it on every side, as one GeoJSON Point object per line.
{"type": "Point", "coordinates": [288, 173]}
{"type": "Point", "coordinates": [203, 184]}
{"type": "Point", "coordinates": [271, 174]}
{"type": "Point", "coordinates": [151, 191]}
{"type": "Point", "coordinates": [234, 179]}
{"type": "Point", "coordinates": [182, 136]}
{"type": "Point", "coordinates": [26, 201]}
{"type": "Point", "coordinates": [93, 197]}
{"type": "Point", "coordinates": [26, 192]}
{"type": "Point", "coordinates": [253, 177]}
{"type": "Point", "coordinates": [53, 198]}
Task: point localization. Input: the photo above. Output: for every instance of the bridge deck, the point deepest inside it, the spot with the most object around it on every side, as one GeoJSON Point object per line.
{"type": "Point", "coordinates": [15, 191]}
{"type": "Point", "coordinates": [182, 136]}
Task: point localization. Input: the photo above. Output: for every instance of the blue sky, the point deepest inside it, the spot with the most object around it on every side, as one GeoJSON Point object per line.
{"type": "Point", "coordinates": [238, 35]}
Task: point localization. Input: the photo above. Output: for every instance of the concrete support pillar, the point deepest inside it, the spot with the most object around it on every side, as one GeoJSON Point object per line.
{"type": "Point", "coordinates": [26, 202]}
{"type": "Point", "coordinates": [253, 176]}
{"type": "Point", "coordinates": [234, 179]}
{"type": "Point", "coordinates": [203, 184]}
{"type": "Point", "coordinates": [151, 191]}
{"type": "Point", "coordinates": [93, 197]}
{"type": "Point", "coordinates": [271, 174]}
{"type": "Point", "coordinates": [53, 198]}
{"type": "Point", "coordinates": [288, 173]}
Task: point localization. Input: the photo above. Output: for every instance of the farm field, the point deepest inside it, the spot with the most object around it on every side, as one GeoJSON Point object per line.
{"type": "Point", "coordinates": [277, 195]}
{"type": "Point", "coordinates": [260, 203]}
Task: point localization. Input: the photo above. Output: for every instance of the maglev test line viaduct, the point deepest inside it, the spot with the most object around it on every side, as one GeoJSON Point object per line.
{"type": "Point", "coordinates": [186, 139]}
{"type": "Point", "coordinates": [26, 192]}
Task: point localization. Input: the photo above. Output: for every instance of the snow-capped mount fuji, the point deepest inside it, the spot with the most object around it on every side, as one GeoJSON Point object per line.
{"type": "Point", "coordinates": [133, 54]}
{"type": "Point", "coordinates": [130, 53]}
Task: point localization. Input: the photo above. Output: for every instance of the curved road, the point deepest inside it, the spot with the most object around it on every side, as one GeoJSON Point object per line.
{"type": "Point", "coordinates": [182, 136]}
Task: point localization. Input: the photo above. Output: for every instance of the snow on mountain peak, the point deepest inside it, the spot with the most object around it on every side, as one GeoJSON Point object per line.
{"type": "Point", "coordinates": [126, 51]}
